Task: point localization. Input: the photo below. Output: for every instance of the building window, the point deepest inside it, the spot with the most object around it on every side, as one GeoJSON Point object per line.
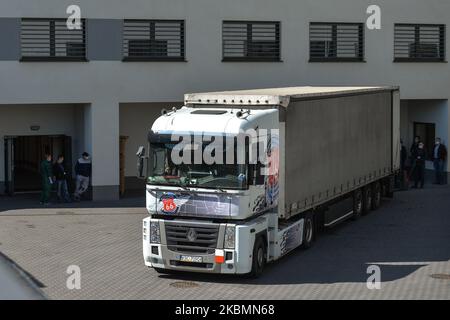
{"type": "Point", "coordinates": [427, 134]}
{"type": "Point", "coordinates": [419, 43]}
{"type": "Point", "coordinates": [334, 42]}
{"type": "Point", "coordinates": [51, 40]}
{"type": "Point", "coordinates": [250, 41]}
{"type": "Point", "coordinates": [153, 40]}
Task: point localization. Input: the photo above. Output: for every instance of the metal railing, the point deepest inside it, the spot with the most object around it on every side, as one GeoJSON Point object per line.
{"type": "Point", "coordinates": [51, 39]}
{"type": "Point", "coordinates": [336, 42]}
{"type": "Point", "coordinates": [419, 43]}
{"type": "Point", "coordinates": [251, 41]}
{"type": "Point", "coordinates": [153, 40]}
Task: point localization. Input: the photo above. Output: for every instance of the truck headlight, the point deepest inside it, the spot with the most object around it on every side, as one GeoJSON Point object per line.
{"type": "Point", "coordinates": [155, 234]}
{"type": "Point", "coordinates": [230, 237]}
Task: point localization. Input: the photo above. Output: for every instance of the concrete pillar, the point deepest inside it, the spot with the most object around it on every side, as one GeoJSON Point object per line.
{"type": "Point", "coordinates": [102, 140]}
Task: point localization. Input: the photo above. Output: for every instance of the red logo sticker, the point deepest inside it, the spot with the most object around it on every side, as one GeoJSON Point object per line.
{"type": "Point", "coordinates": [169, 205]}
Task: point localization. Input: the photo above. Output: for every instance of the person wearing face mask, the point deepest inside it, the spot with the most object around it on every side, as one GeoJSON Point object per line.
{"type": "Point", "coordinates": [439, 157]}
{"type": "Point", "coordinates": [420, 158]}
{"type": "Point", "coordinates": [414, 147]}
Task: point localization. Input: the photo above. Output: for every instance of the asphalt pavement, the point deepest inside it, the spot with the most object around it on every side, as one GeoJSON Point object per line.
{"type": "Point", "coordinates": [408, 239]}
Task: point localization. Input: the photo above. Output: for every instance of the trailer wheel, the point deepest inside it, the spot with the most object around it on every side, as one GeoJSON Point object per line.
{"type": "Point", "coordinates": [367, 199]}
{"type": "Point", "coordinates": [358, 204]}
{"type": "Point", "coordinates": [308, 232]}
{"type": "Point", "coordinates": [376, 192]}
{"type": "Point", "coordinates": [258, 258]}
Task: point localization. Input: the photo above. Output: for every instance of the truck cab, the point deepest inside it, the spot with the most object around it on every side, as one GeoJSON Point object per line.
{"type": "Point", "coordinates": [205, 184]}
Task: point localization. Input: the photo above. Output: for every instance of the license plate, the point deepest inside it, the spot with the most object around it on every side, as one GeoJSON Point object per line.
{"type": "Point", "coordinates": [191, 259]}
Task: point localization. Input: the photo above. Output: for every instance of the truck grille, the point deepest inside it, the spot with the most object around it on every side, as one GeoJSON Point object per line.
{"type": "Point", "coordinates": [191, 238]}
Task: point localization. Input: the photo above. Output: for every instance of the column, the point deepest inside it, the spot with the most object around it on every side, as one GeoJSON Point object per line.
{"type": "Point", "coordinates": [102, 139]}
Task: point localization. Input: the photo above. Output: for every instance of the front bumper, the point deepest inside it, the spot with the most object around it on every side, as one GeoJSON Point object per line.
{"type": "Point", "coordinates": [215, 260]}
{"type": "Point", "coordinates": [159, 256]}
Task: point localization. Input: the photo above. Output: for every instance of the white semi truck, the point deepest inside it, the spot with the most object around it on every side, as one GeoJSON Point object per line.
{"type": "Point", "coordinates": [328, 154]}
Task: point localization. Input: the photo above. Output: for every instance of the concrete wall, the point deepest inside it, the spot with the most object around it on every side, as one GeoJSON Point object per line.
{"type": "Point", "coordinates": [136, 119]}
{"type": "Point", "coordinates": [168, 81]}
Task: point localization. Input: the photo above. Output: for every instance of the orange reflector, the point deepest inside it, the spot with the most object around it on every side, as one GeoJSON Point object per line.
{"type": "Point", "coordinates": [220, 259]}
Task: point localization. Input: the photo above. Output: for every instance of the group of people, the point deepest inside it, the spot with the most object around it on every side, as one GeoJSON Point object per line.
{"type": "Point", "coordinates": [413, 166]}
{"type": "Point", "coordinates": [55, 174]}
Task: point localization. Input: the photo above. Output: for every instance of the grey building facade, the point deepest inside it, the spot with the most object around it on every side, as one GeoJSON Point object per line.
{"type": "Point", "coordinates": [76, 90]}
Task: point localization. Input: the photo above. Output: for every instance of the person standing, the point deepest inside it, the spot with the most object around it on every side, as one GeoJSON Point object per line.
{"type": "Point", "coordinates": [415, 146]}
{"type": "Point", "coordinates": [404, 166]}
{"type": "Point", "coordinates": [439, 157]}
{"type": "Point", "coordinates": [420, 158]}
{"type": "Point", "coordinates": [61, 180]}
{"type": "Point", "coordinates": [412, 157]}
{"type": "Point", "coordinates": [47, 181]}
{"type": "Point", "coordinates": [83, 169]}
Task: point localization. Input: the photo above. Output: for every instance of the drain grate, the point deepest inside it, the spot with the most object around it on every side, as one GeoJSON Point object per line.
{"type": "Point", "coordinates": [184, 284]}
{"type": "Point", "coordinates": [441, 276]}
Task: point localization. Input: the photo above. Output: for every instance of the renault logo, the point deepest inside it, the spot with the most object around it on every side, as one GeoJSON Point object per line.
{"type": "Point", "coordinates": [192, 235]}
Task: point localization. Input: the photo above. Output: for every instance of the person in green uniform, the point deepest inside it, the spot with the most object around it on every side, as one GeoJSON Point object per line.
{"type": "Point", "coordinates": [47, 178]}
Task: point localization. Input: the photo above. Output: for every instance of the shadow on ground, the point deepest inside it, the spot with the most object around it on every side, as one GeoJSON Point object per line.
{"type": "Point", "coordinates": [132, 199]}
{"type": "Point", "coordinates": [404, 235]}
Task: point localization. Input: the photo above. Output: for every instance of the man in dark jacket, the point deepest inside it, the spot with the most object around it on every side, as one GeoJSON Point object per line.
{"type": "Point", "coordinates": [403, 166]}
{"type": "Point", "coordinates": [61, 180]}
{"type": "Point", "coordinates": [83, 170]}
{"type": "Point", "coordinates": [47, 181]}
{"type": "Point", "coordinates": [420, 158]}
{"type": "Point", "coordinates": [415, 146]}
{"type": "Point", "coordinates": [439, 157]}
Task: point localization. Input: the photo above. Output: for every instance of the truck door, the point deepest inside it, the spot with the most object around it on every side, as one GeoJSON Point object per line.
{"type": "Point", "coordinates": [9, 165]}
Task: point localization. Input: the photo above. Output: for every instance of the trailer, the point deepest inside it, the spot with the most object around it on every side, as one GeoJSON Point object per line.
{"type": "Point", "coordinates": [323, 155]}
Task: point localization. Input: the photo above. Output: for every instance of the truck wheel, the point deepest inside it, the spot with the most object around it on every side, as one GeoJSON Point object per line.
{"type": "Point", "coordinates": [358, 204]}
{"type": "Point", "coordinates": [258, 258]}
{"type": "Point", "coordinates": [308, 232]}
{"type": "Point", "coordinates": [367, 199]}
{"type": "Point", "coordinates": [376, 192]}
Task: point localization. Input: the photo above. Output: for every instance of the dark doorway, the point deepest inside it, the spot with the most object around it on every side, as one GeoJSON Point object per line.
{"type": "Point", "coordinates": [23, 155]}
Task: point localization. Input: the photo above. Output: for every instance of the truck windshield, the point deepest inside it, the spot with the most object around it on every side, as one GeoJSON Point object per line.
{"type": "Point", "coordinates": [214, 176]}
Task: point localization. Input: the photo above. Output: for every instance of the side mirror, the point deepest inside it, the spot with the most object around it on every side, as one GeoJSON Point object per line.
{"type": "Point", "coordinates": [140, 164]}
{"type": "Point", "coordinates": [140, 152]}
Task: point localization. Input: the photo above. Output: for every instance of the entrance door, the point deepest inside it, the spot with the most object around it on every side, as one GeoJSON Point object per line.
{"type": "Point", "coordinates": [23, 158]}
{"type": "Point", "coordinates": [9, 165]}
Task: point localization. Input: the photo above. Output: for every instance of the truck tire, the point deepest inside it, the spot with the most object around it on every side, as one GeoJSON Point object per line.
{"type": "Point", "coordinates": [376, 195]}
{"type": "Point", "coordinates": [308, 232]}
{"type": "Point", "coordinates": [358, 204]}
{"type": "Point", "coordinates": [258, 258]}
{"type": "Point", "coordinates": [367, 199]}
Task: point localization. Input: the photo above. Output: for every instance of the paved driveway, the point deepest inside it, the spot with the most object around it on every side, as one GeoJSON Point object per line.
{"type": "Point", "coordinates": [408, 238]}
